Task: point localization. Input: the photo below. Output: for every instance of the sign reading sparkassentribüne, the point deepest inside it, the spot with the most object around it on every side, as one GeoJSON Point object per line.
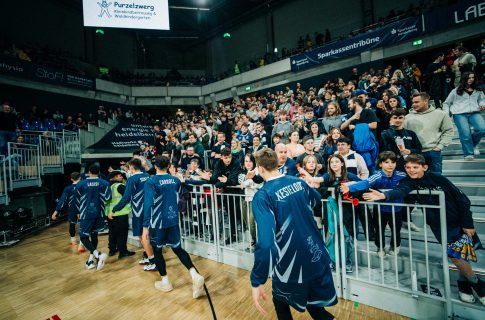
{"type": "Point", "coordinates": [391, 33]}
{"type": "Point", "coordinates": [130, 14]}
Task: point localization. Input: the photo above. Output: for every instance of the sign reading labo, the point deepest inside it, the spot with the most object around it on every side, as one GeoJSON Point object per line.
{"type": "Point", "coordinates": [131, 14]}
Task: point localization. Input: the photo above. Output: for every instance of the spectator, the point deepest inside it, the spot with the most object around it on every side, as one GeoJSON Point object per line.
{"type": "Point", "coordinates": [237, 151]}
{"type": "Point", "coordinates": [435, 78]}
{"type": "Point", "coordinates": [283, 127]}
{"type": "Point", "coordinates": [358, 115]}
{"type": "Point", "coordinates": [333, 117]}
{"type": "Point", "coordinates": [294, 147]}
{"type": "Point", "coordinates": [188, 156]}
{"type": "Point", "coordinates": [308, 145]}
{"type": "Point", "coordinates": [8, 123]}
{"type": "Point", "coordinates": [433, 128]}
{"type": "Point", "coordinates": [401, 141]}
{"type": "Point", "coordinates": [465, 103]}
{"type": "Point", "coordinates": [286, 165]}
{"type": "Point", "coordinates": [330, 145]}
{"type": "Point", "coordinates": [353, 161]}
{"type": "Point", "coordinates": [464, 62]}
{"type": "Point", "coordinates": [194, 142]}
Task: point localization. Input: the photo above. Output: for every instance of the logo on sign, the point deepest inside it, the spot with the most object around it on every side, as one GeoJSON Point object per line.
{"type": "Point", "coordinates": [104, 5]}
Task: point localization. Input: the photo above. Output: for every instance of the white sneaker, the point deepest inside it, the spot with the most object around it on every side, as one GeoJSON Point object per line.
{"type": "Point", "coordinates": [90, 264]}
{"type": "Point", "coordinates": [197, 286]}
{"type": "Point", "coordinates": [144, 261]}
{"type": "Point", "coordinates": [469, 158]}
{"type": "Point", "coordinates": [476, 151]}
{"type": "Point", "coordinates": [150, 267]}
{"type": "Point", "coordinates": [394, 251]}
{"type": "Point", "coordinates": [101, 261]}
{"type": "Point", "coordinates": [381, 253]}
{"type": "Point", "coordinates": [165, 287]}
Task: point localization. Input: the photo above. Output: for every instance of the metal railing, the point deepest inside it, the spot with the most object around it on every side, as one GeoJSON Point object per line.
{"type": "Point", "coordinates": [3, 181]}
{"type": "Point", "coordinates": [71, 146]}
{"type": "Point", "coordinates": [420, 270]}
{"type": "Point", "coordinates": [23, 161]}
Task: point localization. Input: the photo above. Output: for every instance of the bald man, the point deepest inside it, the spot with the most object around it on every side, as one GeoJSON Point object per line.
{"type": "Point", "coordinates": [286, 165]}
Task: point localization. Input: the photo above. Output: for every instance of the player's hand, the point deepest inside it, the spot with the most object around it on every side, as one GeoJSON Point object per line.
{"type": "Point", "coordinates": [373, 195]}
{"type": "Point", "coordinates": [259, 293]}
{"type": "Point", "coordinates": [250, 174]}
{"type": "Point", "coordinates": [344, 188]}
{"type": "Point", "coordinates": [469, 232]}
{"type": "Point", "coordinates": [144, 235]}
{"type": "Point", "coordinates": [54, 215]}
{"type": "Point", "coordinates": [78, 216]}
{"type": "Point", "coordinates": [110, 216]}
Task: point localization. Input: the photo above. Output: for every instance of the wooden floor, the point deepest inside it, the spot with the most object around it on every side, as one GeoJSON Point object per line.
{"type": "Point", "coordinates": [43, 276]}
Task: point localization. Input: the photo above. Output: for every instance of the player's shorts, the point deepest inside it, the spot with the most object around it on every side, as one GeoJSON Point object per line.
{"type": "Point", "coordinates": [319, 292]}
{"type": "Point", "coordinates": [88, 226]}
{"type": "Point", "coordinates": [165, 237]}
{"type": "Point", "coordinates": [137, 225]}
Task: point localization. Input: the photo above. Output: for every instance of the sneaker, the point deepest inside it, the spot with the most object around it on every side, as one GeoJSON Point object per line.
{"type": "Point", "coordinates": [469, 158]}
{"type": "Point", "coordinates": [465, 292]}
{"type": "Point", "coordinates": [394, 251]}
{"type": "Point", "coordinates": [81, 248]}
{"type": "Point", "coordinates": [381, 253]}
{"type": "Point", "coordinates": [144, 261]}
{"type": "Point", "coordinates": [150, 267]}
{"type": "Point", "coordinates": [476, 151]}
{"type": "Point", "coordinates": [197, 286]}
{"type": "Point", "coordinates": [73, 243]}
{"type": "Point", "coordinates": [165, 287]}
{"type": "Point", "coordinates": [349, 268]}
{"type": "Point", "coordinates": [479, 289]}
{"type": "Point", "coordinates": [101, 261]}
{"type": "Point", "coordinates": [90, 264]}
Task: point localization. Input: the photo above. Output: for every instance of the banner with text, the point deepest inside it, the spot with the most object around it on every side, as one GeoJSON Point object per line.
{"type": "Point", "coordinates": [463, 12]}
{"type": "Point", "coordinates": [125, 136]}
{"type": "Point", "coordinates": [391, 33]}
{"type": "Point", "coordinates": [32, 71]}
{"type": "Point", "coordinates": [131, 14]}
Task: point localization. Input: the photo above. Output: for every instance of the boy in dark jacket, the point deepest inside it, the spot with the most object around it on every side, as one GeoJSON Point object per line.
{"type": "Point", "coordinates": [401, 141]}
{"type": "Point", "coordinates": [459, 219]}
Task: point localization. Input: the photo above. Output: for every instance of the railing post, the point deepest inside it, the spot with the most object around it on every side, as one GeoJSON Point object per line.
{"type": "Point", "coordinates": [444, 248]}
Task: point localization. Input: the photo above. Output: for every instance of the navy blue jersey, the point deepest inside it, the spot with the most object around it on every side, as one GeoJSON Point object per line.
{"type": "Point", "coordinates": [161, 201]}
{"type": "Point", "coordinates": [134, 191]}
{"type": "Point", "coordinates": [290, 247]}
{"type": "Point", "coordinates": [289, 168]}
{"type": "Point", "coordinates": [91, 195]}
{"type": "Point", "coordinates": [69, 196]}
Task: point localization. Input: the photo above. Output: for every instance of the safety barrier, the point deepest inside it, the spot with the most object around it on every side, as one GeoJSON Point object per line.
{"type": "Point", "coordinates": [71, 146]}
{"type": "Point", "coordinates": [50, 146]}
{"type": "Point", "coordinates": [412, 282]}
{"type": "Point", "coordinates": [23, 161]}
{"type": "Point", "coordinates": [3, 181]}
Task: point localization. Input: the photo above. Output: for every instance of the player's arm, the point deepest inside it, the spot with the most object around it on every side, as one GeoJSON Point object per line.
{"type": "Point", "coordinates": [60, 204]}
{"type": "Point", "coordinates": [266, 252]}
{"type": "Point", "coordinates": [149, 190]}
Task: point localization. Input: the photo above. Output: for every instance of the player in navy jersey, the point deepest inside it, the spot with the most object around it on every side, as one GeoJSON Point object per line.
{"type": "Point", "coordinates": [69, 196]}
{"type": "Point", "coordinates": [160, 223]}
{"type": "Point", "coordinates": [91, 195]}
{"type": "Point", "coordinates": [290, 249]}
{"type": "Point", "coordinates": [135, 192]}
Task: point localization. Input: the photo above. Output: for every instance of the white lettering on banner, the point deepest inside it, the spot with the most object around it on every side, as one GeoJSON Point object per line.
{"type": "Point", "coordinates": [42, 73]}
{"type": "Point", "coordinates": [360, 43]}
{"type": "Point", "coordinates": [11, 68]}
{"type": "Point", "coordinates": [472, 12]}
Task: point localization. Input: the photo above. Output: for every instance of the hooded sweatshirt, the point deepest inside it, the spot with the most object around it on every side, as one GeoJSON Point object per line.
{"type": "Point", "coordinates": [284, 126]}
{"type": "Point", "coordinates": [433, 128]}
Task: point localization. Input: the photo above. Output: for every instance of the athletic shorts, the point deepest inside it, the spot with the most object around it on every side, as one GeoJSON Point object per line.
{"type": "Point", "coordinates": [452, 233]}
{"type": "Point", "coordinates": [319, 292]}
{"type": "Point", "coordinates": [165, 237]}
{"type": "Point", "coordinates": [137, 225]}
{"type": "Point", "coordinates": [88, 226]}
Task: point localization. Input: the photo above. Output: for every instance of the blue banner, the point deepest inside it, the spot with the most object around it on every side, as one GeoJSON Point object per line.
{"type": "Point", "coordinates": [391, 33]}
{"type": "Point", "coordinates": [35, 72]}
{"type": "Point", "coordinates": [463, 12]}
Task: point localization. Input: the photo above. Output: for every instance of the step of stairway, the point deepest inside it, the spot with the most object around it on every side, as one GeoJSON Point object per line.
{"type": "Point", "coordinates": [461, 164]}
{"type": "Point", "coordinates": [472, 188]}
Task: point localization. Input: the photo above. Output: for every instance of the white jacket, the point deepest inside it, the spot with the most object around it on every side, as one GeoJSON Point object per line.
{"type": "Point", "coordinates": [466, 103]}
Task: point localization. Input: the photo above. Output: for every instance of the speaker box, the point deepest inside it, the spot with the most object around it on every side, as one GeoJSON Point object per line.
{"type": "Point", "coordinates": [34, 204]}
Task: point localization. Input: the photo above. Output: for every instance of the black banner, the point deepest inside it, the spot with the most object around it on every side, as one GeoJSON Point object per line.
{"type": "Point", "coordinates": [35, 72]}
{"type": "Point", "coordinates": [125, 136]}
{"type": "Point", "coordinates": [463, 12]}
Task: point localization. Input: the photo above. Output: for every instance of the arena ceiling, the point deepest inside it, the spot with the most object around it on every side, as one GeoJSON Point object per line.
{"type": "Point", "coordinates": [194, 21]}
